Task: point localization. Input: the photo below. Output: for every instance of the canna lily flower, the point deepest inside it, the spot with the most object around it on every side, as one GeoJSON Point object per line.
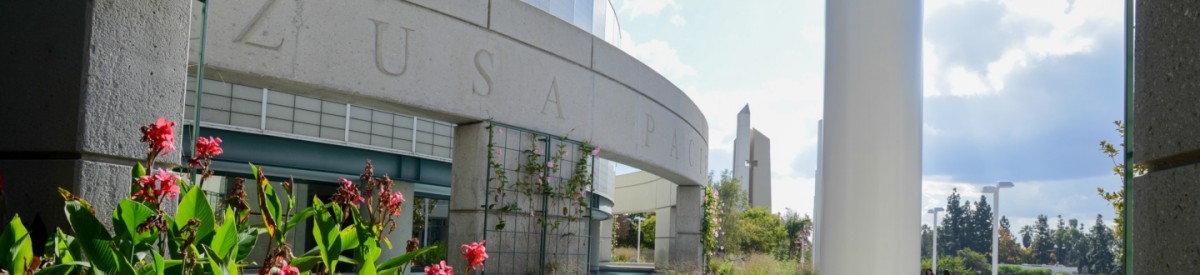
{"type": "Point", "coordinates": [439, 269]}
{"type": "Point", "coordinates": [475, 253]}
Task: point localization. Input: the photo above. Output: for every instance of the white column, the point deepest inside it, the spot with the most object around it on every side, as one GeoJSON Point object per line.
{"type": "Point", "coordinates": [872, 156]}
{"type": "Point", "coordinates": [935, 244]}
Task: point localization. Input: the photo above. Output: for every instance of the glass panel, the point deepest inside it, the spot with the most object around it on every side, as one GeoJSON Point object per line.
{"type": "Point", "coordinates": [280, 112]}
{"type": "Point", "coordinates": [333, 133]}
{"type": "Point", "coordinates": [333, 121]}
{"type": "Point", "coordinates": [309, 117]}
{"type": "Point", "coordinates": [247, 107]}
{"type": "Point", "coordinates": [274, 124]}
{"type": "Point", "coordinates": [245, 120]}
{"type": "Point", "coordinates": [282, 99]}
{"type": "Point", "coordinates": [308, 103]}
{"type": "Point", "coordinates": [361, 138]}
{"type": "Point", "coordinates": [306, 129]}
{"type": "Point", "coordinates": [248, 93]}
{"type": "Point", "coordinates": [335, 108]}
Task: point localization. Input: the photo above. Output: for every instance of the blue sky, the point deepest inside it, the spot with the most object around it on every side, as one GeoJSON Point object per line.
{"type": "Point", "coordinates": [1014, 90]}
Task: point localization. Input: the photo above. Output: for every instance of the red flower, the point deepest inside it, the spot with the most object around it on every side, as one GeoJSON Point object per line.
{"type": "Point", "coordinates": [393, 204]}
{"type": "Point", "coordinates": [439, 269]}
{"type": "Point", "coordinates": [475, 253]}
{"type": "Point", "coordinates": [152, 188]}
{"type": "Point", "coordinates": [288, 270]}
{"type": "Point", "coordinates": [596, 151]}
{"type": "Point", "coordinates": [160, 135]}
{"type": "Point", "coordinates": [347, 194]}
{"type": "Point", "coordinates": [208, 147]}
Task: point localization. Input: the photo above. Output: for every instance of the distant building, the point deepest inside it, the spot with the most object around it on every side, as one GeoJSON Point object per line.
{"type": "Point", "coordinates": [752, 161]}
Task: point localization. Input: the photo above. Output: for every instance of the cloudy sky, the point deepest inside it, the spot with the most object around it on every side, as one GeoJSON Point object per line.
{"type": "Point", "coordinates": [1014, 90]}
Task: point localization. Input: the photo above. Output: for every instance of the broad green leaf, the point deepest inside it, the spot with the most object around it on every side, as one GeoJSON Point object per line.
{"type": "Point", "coordinates": [404, 259]}
{"type": "Point", "coordinates": [195, 205]}
{"type": "Point", "coordinates": [299, 218]}
{"type": "Point", "coordinates": [215, 262]}
{"type": "Point", "coordinates": [63, 268]}
{"type": "Point", "coordinates": [225, 242]}
{"type": "Point", "coordinates": [305, 263]}
{"type": "Point", "coordinates": [326, 232]}
{"type": "Point", "coordinates": [268, 202]}
{"type": "Point", "coordinates": [368, 254]}
{"type": "Point", "coordinates": [93, 239]}
{"type": "Point", "coordinates": [138, 172]}
{"type": "Point", "coordinates": [246, 240]}
{"type": "Point", "coordinates": [349, 238]}
{"type": "Point", "coordinates": [128, 216]}
{"type": "Point", "coordinates": [18, 249]}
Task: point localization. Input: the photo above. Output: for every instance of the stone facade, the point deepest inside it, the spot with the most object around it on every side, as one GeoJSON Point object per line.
{"type": "Point", "coordinates": [1164, 202]}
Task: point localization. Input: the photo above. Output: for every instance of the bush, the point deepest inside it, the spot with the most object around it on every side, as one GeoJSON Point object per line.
{"type": "Point", "coordinates": [1017, 270]}
{"type": "Point", "coordinates": [952, 263]}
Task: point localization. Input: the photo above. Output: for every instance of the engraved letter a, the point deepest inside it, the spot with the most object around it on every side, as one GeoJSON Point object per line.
{"type": "Point", "coordinates": [381, 27]}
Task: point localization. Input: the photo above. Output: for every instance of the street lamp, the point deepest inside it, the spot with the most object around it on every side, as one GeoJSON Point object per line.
{"type": "Point", "coordinates": [935, 211]}
{"type": "Point", "coordinates": [638, 258]}
{"type": "Point", "coordinates": [995, 190]}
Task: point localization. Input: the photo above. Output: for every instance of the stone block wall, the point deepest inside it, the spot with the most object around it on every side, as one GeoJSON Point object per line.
{"type": "Point", "coordinates": [1166, 131]}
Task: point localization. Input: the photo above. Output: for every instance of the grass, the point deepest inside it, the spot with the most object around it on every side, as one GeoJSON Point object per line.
{"type": "Point", "coordinates": [626, 254]}
{"type": "Point", "coordinates": [754, 264]}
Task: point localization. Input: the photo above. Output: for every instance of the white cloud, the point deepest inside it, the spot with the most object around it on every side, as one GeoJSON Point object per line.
{"type": "Point", "coordinates": [678, 20]}
{"type": "Point", "coordinates": [1061, 30]}
{"type": "Point", "coordinates": [657, 54]}
{"type": "Point", "coordinates": [637, 8]}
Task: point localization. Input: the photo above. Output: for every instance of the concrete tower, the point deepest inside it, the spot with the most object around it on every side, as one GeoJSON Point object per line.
{"type": "Point", "coordinates": [871, 163]}
{"type": "Point", "coordinates": [752, 161]}
{"type": "Point", "coordinates": [741, 148]}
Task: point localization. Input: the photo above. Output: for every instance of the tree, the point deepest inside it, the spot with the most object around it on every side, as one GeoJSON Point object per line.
{"type": "Point", "coordinates": [798, 229]}
{"type": "Point", "coordinates": [926, 241]}
{"type": "Point", "coordinates": [979, 236]}
{"type": "Point", "coordinates": [1010, 251]}
{"type": "Point", "coordinates": [1117, 198]}
{"type": "Point", "coordinates": [1043, 247]}
{"type": "Point", "coordinates": [1027, 236]}
{"type": "Point", "coordinates": [1101, 257]}
{"type": "Point", "coordinates": [733, 203]}
{"type": "Point", "coordinates": [975, 261]}
{"type": "Point", "coordinates": [764, 231]}
{"type": "Point", "coordinates": [952, 236]}
{"type": "Point", "coordinates": [648, 230]}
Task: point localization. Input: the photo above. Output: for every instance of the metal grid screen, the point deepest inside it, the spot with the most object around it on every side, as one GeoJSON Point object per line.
{"type": "Point", "coordinates": [538, 216]}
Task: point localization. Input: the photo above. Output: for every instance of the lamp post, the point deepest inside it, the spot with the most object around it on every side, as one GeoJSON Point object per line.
{"type": "Point", "coordinates": [995, 190]}
{"type": "Point", "coordinates": [638, 258]}
{"type": "Point", "coordinates": [935, 211]}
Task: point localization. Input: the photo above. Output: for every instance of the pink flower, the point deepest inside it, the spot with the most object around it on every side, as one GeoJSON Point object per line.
{"type": "Point", "coordinates": [596, 151]}
{"type": "Point", "coordinates": [550, 164]}
{"type": "Point", "coordinates": [347, 194]}
{"type": "Point", "coordinates": [160, 135]}
{"type": "Point", "coordinates": [208, 147]}
{"type": "Point", "coordinates": [288, 270]}
{"type": "Point", "coordinates": [152, 188]}
{"type": "Point", "coordinates": [500, 131]}
{"type": "Point", "coordinates": [393, 204]}
{"type": "Point", "coordinates": [537, 152]}
{"type": "Point", "coordinates": [475, 253]}
{"type": "Point", "coordinates": [439, 269]}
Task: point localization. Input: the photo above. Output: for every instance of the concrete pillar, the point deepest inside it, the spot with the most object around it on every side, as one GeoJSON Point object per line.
{"type": "Point", "coordinates": [872, 156]}
{"type": "Point", "coordinates": [467, 193]}
{"type": "Point", "coordinates": [1166, 140]}
{"type": "Point", "coordinates": [686, 243]}
{"type": "Point", "coordinates": [594, 246]}
{"type": "Point", "coordinates": [664, 236]}
{"type": "Point", "coordinates": [606, 236]}
{"type": "Point", "coordinates": [80, 79]}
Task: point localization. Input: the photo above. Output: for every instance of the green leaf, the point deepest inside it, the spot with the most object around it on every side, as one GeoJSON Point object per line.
{"type": "Point", "coordinates": [349, 238]}
{"type": "Point", "coordinates": [195, 205]}
{"type": "Point", "coordinates": [299, 218]}
{"type": "Point", "coordinates": [305, 263]}
{"type": "Point", "coordinates": [138, 172]}
{"type": "Point", "coordinates": [403, 259]}
{"type": "Point", "coordinates": [11, 234]}
{"type": "Point", "coordinates": [268, 202]}
{"type": "Point", "coordinates": [126, 219]}
{"type": "Point", "coordinates": [368, 254]}
{"type": "Point", "coordinates": [246, 240]}
{"type": "Point", "coordinates": [215, 262]}
{"type": "Point", "coordinates": [326, 231]}
{"type": "Point", "coordinates": [94, 240]}
{"type": "Point", "coordinates": [63, 268]}
{"type": "Point", "coordinates": [225, 242]}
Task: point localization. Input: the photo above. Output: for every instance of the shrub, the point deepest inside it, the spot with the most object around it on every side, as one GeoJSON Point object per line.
{"type": "Point", "coordinates": [1017, 270]}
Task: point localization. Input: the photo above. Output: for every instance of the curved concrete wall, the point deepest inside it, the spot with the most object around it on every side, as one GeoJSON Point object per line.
{"type": "Point", "coordinates": [463, 61]}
